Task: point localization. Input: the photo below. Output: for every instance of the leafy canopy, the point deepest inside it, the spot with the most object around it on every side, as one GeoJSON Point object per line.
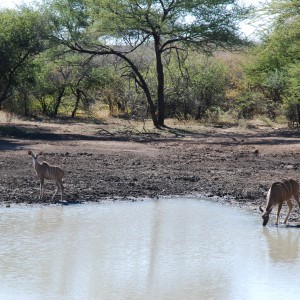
{"type": "Point", "coordinates": [202, 23]}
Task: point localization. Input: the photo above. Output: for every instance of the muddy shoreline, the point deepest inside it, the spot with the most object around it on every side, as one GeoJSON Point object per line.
{"type": "Point", "coordinates": [232, 165]}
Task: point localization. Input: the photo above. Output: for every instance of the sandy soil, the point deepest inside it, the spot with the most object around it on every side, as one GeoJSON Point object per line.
{"type": "Point", "coordinates": [103, 161]}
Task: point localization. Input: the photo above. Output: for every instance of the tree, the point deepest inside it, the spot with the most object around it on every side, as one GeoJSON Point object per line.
{"type": "Point", "coordinates": [22, 37]}
{"type": "Point", "coordinates": [120, 27]}
{"type": "Point", "coordinates": [196, 87]}
{"type": "Point", "coordinates": [62, 76]}
{"type": "Point", "coordinates": [276, 61]}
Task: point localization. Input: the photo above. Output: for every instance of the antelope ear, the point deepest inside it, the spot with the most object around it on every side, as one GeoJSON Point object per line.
{"type": "Point", "coordinates": [29, 152]}
{"type": "Point", "coordinates": [261, 209]}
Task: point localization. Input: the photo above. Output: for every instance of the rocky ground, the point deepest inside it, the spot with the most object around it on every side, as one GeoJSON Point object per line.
{"type": "Point", "coordinates": [233, 165]}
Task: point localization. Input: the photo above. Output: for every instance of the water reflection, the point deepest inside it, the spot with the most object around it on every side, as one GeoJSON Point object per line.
{"type": "Point", "coordinates": [160, 249]}
{"type": "Point", "coordinates": [174, 257]}
{"type": "Point", "coordinates": [283, 243]}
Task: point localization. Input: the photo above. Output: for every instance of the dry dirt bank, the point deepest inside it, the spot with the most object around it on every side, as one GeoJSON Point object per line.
{"type": "Point", "coordinates": [235, 164]}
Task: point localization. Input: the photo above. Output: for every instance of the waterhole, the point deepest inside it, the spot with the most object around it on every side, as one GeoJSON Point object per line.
{"type": "Point", "coordinates": [180, 248]}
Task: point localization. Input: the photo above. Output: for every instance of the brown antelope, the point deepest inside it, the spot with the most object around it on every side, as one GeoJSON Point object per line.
{"type": "Point", "coordinates": [45, 171]}
{"type": "Point", "coordinates": [277, 195]}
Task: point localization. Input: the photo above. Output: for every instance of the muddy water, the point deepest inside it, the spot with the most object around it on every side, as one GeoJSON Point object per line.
{"type": "Point", "coordinates": [160, 249]}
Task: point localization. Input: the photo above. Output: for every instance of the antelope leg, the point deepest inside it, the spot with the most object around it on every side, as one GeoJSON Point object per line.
{"type": "Point", "coordinates": [56, 190]}
{"type": "Point", "coordinates": [278, 212]}
{"type": "Point", "coordinates": [290, 205]}
{"type": "Point", "coordinates": [42, 189]}
{"type": "Point", "coordinates": [62, 190]}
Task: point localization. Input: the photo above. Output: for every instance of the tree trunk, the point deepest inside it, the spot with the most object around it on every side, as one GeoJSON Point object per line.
{"type": "Point", "coordinates": [10, 81]}
{"type": "Point", "coordinates": [141, 81]}
{"type": "Point", "coordinates": [58, 101]}
{"type": "Point", "coordinates": [26, 106]}
{"type": "Point", "coordinates": [160, 83]}
{"type": "Point", "coordinates": [44, 105]}
{"type": "Point", "coordinates": [145, 88]}
{"type": "Point", "coordinates": [5, 92]}
{"type": "Point", "coordinates": [298, 114]}
{"type": "Point", "coordinates": [78, 97]}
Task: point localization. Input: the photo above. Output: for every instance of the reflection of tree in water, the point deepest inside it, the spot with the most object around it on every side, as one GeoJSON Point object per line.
{"type": "Point", "coordinates": [171, 270]}
{"type": "Point", "coordinates": [283, 243]}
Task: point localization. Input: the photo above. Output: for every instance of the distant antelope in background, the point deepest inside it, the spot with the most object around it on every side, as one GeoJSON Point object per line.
{"type": "Point", "coordinates": [277, 195]}
{"type": "Point", "coordinates": [45, 171]}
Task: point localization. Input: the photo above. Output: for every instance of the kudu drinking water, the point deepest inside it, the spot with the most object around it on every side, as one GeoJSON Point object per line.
{"type": "Point", "coordinates": [277, 195]}
{"type": "Point", "coordinates": [45, 171]}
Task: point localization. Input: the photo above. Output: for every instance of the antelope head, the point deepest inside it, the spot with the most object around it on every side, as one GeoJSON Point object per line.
{"type": "Point", "coordinates": [265, 215]}
{"type": "Point", "coordinates": [34, 156]}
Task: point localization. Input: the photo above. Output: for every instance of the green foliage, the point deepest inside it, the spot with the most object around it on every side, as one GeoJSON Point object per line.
{"type": "Point", "coordinates": [249, 104]}
{"type": "Point", "coordinates": [246, 106]}
{"type": "Point", "coordinates": [145, 58]}
{"type": "Point", "coordinates": [293, 82]}
{"type": "Point", "coordinates": [120, 27]}
{"type": "Point", "coordinates": [292, 92]}
{"type": "Point", "coordinates": [69, 81]}
{"type": "Point", "coordinates": [22, 37]}
{"type": "Point", "coordinates": [196, 87]}
{"type": "Point", "coordinates": [274, 71]}
{"type": "Point", "coordinates": [173, 21]}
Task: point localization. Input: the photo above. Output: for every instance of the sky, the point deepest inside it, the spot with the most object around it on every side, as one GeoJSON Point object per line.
{"type": "Point", "coordinates": [247, 29]}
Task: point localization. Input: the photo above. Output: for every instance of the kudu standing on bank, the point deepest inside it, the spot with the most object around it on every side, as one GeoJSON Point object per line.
{"type": "Point", "coordinates": [277, 195]}
{"type": "Point", "coordinates": [45, 171]}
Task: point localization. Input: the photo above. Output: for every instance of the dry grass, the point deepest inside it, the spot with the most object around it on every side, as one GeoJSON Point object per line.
{"type": "Point", "coordinates": [111, 125]}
